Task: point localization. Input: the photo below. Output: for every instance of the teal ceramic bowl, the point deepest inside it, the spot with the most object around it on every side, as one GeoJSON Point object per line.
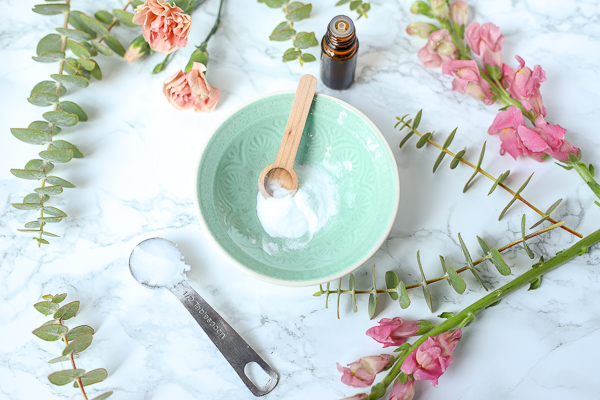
{"type": "Point", "coordinates": [365, 180]}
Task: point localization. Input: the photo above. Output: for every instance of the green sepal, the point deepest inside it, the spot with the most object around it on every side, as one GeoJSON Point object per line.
{"type": "Point", "coordinates": [61, 118]}
{"type": "Point", "coordinates": [49, 56]}
{"type": "Point", "coordinates": [402, 348]}
{"type": "Point", "coordinates": [28, 173]}
{"type": "Point", "coordinates": [200, 55]}
{"type": "Point", "coordinates": [392, 282]}
{"type": "Point", "coordinates": [51, 42]}
{"type": "Point", "coordinates": [282, 32]}
{"type": "Point", "coordinates": [55, 180]}
{"type": "Point", "coordinates": [57, 155]}
{"type": "Point", "coordinates": [50, 332]}
{"type": "Point", "coordinates": [535, 283]}
{"type": "Point", "coordinates": [73, 108]}
{"type": "Point", "coordinates": [114, 45]}
{"type": "Point", "coordinates": [67, 311]}
{"type": "Point", "coordinates": [31, 136]}
{"type": "Point", "coordinates": [424, 327]}
{"type": "Point", "coordinates": [91, 377]}
{"type": "Point", "coordinates": [50, 9]}
{"type": "Point", "coordinates": [61, 378]}
{"type": "Point", "coordinates": [77, 81]}
{"type": "Point", "coordinates": [79, 344]}
{"type": "Point", "coordinates": [446, 315]}
{"type": "Point", "coordinates": [63, 144]}
{"type": "Point", "coordinates": [494, 304]}
{"type": "Point", "coordinates": [54, 211]}
{"type": "Point", "coordinates": [125, 17]}
{"type": "Point", "coordinates": [43, 99]}
{"type": "Point", "coordinates": [305, 40]}
{"type": "Point", "coordinates": [74, 34]}
{"type": "Point", "coordinates": [46, 307]}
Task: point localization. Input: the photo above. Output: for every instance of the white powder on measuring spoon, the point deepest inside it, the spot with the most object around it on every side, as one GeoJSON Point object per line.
{"type": "Point", "coordinates": [302, 215]}
{"type": "Point", "coordinates": [157, 262]}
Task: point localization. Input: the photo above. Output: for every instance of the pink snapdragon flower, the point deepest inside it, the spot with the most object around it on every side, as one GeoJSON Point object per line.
{"type": "Point", "coordinates": [165, 27]}
{"type": "Point", "coordinates": [459, 12]}
{"type": "Point", "coordinates": [518, 139]}
{"type": "Point", "coordinates": [525, 84]}
{"type": "Point", "coordinates": [362, 371]}
{"type": "Point", "coordinates": [421, 29]}
{"type": "Point", "coordinates": [404, 391]}
{"type": "Point", "coordinates": [439, 8]}
{"type": "Point", "coordinates": [429, 361]}
{"type": "Point", "coordinates": [393, 332]}
{"type": "Point", "coordinates": [486, 41]}
{"type": "Point", "coordinates": [439, 49]}
{"type": "Point", "coordinates": [191, 90]}
{"type": "Point", "coordinates": [468, 80]}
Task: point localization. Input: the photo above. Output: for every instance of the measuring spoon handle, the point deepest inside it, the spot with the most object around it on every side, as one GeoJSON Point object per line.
{"type": "Point", "coordinates": [235, 349]}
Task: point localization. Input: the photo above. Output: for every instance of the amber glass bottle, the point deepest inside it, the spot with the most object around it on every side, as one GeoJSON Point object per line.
{"type": "Point", "coordinates": [339, 49]}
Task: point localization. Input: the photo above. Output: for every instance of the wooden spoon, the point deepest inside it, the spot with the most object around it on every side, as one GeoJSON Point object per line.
{"type": "Point", "coordinates": [282, 169]}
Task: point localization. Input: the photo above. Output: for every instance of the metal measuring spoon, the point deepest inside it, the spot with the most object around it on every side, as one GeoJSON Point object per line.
{"type": "Point", "coordinates": [236, 351]}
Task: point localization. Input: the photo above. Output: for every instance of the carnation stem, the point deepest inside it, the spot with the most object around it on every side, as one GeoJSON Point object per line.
{"type": "Point", "coordinates": [468, 313]}
{"type": "Point", "coordinates": [215, 26]}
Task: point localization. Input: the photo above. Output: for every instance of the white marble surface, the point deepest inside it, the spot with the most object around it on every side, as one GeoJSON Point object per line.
{"type": "Point", "coordinates": [136, 182]}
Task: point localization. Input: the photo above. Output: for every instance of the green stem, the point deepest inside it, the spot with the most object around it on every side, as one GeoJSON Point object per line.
{"type": "Point", "coordinates": [586, 175]}
{"type": "Point", "coordinates": [466, 314]}
{"type": "Point", "coordinates": [215, 26]}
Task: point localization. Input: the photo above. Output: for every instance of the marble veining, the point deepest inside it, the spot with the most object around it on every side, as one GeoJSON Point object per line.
{"type": "Point", "coordinates": [137, 181]}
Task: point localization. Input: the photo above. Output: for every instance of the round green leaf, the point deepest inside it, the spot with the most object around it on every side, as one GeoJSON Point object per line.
{"type": "Point", "coordinates": [31, 136]}
{"type": "Point", "coordinates": [35, 198]}
{"type": "Point", "coordinates": [59, 298]}
{"type": "Point", "coordinates": [102, 49]}
{"type": "Point", "coordinates": [307, 57]}
{"type": "Point", "coordinates": [49, 190]}
{"type": "Point", "coordinates": [40, 241]}
{"type": "Point", "coordinates": [70, 309]}
{"type": "Point", "coordinates": [79, 344]}
{"type": "Point", "coordinates": [291, 54]}
{"type": "Point", "coordinates": [103, 396]}
{"type": "Point", "coordinates": [49, 87]}
{"type": "Point", "coordinates": [78, 49]}
{"type": "Point", "coordinates": [104, 16]}
{"type": "Point", "coordinates": [43, 99]}
{"type": "Point", "coordinates": [28, 173]}
{"type": "Point", "coordinates": [60, 378]}
{"type": "Point", "coordinates": [50, 9]}
{"type": "Point", "coordinates": [49, 56]}
{"type": "Point", "coordinates": [34, 225]}
{"type": "Point", "coordinates": [94, 24]}
{"type": "Point", "coordinates": [275, 3]}
{"type": "Point", "coordinates": [50, 332]}
{"type": "Point", "coordinates": [59, 155]}
{"type": "Point", "coordinates": [93, 376]}
{"type": "Point", "coordinates": [78, 331]}
{"type": "Point", "coordinates": [55, 180]}
{"type": "Point", "coordinates": [75, 21]}
{"type": "Point", "coordinates": [456, 281]}
{"type": "Point", "coordinates": [78, 81]}
{"type": "Point", "coordinates": [46, 233]}
{"type": "Point", "coordinates": [45, 126]}
{"type": "Point", "coordinates": [45, 307]}
{"type": "Point", "coordinates": [115, 45]}
{"type": "Point", "coordinates": [51, 42]}
{"type": "Point", "coordinates": [38, 164]}
{"type": "Point", "coordinates": [89, 65]}
{"type": "Point", "coordinates": [96, 72]}
{"type": "Point", "coordinates": [392, 282]}
{"type": "Point", "coordinates": [56, 212]}
{"type": "Point", "coordinates": [61, 118]}
{"type": "Point", "coordinates": [62, 358]}
{"type": "Point", "coordinates": [51, 220]}
{"type": "Point", "coordinates": [74, 34]}
{"type": "Point", "coordinates": [73, 108]}
{"type": "Point", "coordinates": [63, 144]}
{"type": "Point", "coordinates": [125, 17]}
{"type": "Point", "coordinates": [299, 13]}
{"type": "Point", "coordinates": [27, 206]}
{"type": "Point", "coordinates": [305, 40]}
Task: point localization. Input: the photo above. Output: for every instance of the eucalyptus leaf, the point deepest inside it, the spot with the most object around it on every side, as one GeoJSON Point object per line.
{"type": "Point", "coordinates": [96, 72]}
{"type": "Point", "coordinates": [61, 118]}
{"type": "Point", "coordinates": [54, 211]}
{"type": "Point", "coordinates": [484, 246]}
{"type": "Point", "coordinates": [291, 54]}
{"type": "Point", "coordinates": [498, 181]}
{"type": "Point", "coordinates": [307, 57]}
{"type": "Point", "coordinates": [35, 198]}
{"type": "Point", "coordinates": [426, 291]}
{"type": "Point", "coordinates": [88, 65]}
{"type": "Point", "coordinates": [50, 9]}
{"type": "Point", "coordinates": [456, 281]}
{"type": "Point", "coordinates": [45, 126]}
{"type": "Point", "coordinates": [74, 34]}
{"type": "Point", "coordinates": [79, 344]}
{"type": "Point", "coordinates": [77, 81]}
{"type": "Point", "coordinates": [282, 33]}
{"type": "Point", "coordinates": [29, 230]}
{"type": "Point", "coordinates": [352, 286]}
{"type": "Point", "coordinates": [457, 158]}
{"type": "Point", "coordinates": [49, 87]}
{"type": "Point", "coordinates": [61, 359]}
{"type": "Point", "coordinates": [372, 305]}
{"type": "Point", "coordinates": [342, 2]}
{"type": "Point", "coordinates": [31, 136]}
{"type": "Point", "coordinates": [77, 23]}
{"type": "Point", "coordinates": [61, 378]}
{"type": "Point", "coordinates": [59, 298]}
{"type": "Point", "coordinates": [423, 139]}
{"type": "Point", "coordinates": [46, 307]}
{"type": "Point", "coordinates": [94, 24]}
{"type": "Point", "coordinates": [69, 310]}
{"type": "Point", "coordinates": [33, 224]}
{"type": "Point", "coordinates": [73, 108]}
{"type": "Point", "coordinates": [40, 241]}
{"type": "Point", "coordinates": [417, 120]}
{"type": "Point", "coordinates": [392, 282]}
{"type": "Point", "coordinates": [28, 173]}
{"type": "Point", "coordinates": [517, 194]}
{"type": "Point", "coordinates": [38, 164]}
{"type": "Point", "coordinates": [55, 180]}
{"type": "Point", "coordinates": [470, 261]}
{"type": "Point", "coordinates": [78, 49]}
{"type": "Point", "coordinates": [43, 99]}
{"type": "Point", "coordinates": [103, 396]}
{"type": "Point", "coordinates": [91, 377]}
{"type": "Point", "coordinates": [46, 233]}
{"type": "Point", "coordinates": [50, 332]}
{"type": "Point", "coordinates": [477, 169]}
{"type": "Point", "coordinates": [102, 49]}
{"type": "Point", "coordinates": [51, 42]}
{"type": "Point", "coordinates": [404, 299]}
{"type": "Point", "coordinates": [305, 40]}
{"type": "Point", "coordinates": [49, 56]}
{"type": "Point", "coordinates": [49, 190]}
{"type": "Point", "coordinates": [114, 45]}
{"type": "Point", "coordinates": [405, 139]}
{"type": "Point", "coordinates": [27, 206]}
{"type": "Point", "coordinates": [548, 212]}
{"type": "Point", "coordinates": [78, 331]}
{"type": "Point", "coordinates": [299, 13]}
{"type": "Point", "coordinates": [125, 17]}
{"type": "Point", "coordinates": [499, 262]}
{"type": "Point", "coordinates": [50, 220]}
{"type": "Point", "coordinates": [275, 3]}
{"type": "Point", "coordinates": [63, 144]}
{"type": "Point", "coordinates": [58, 155]}
{"type": "Point", "coordinates": [104, 16]}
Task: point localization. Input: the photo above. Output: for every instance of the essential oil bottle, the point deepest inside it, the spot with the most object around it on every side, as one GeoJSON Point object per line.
{"type": "Point", "coordinates": [339, 49]}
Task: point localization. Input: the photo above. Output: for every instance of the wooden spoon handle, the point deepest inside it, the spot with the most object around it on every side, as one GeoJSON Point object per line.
{"type": "Point", "coordinates": [296, 121]}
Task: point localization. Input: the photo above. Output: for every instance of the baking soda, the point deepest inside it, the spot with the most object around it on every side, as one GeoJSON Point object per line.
{"type": "Point", "coordinates": [300, 216]}
{"type": "Point", "coordinates": [157, 262]}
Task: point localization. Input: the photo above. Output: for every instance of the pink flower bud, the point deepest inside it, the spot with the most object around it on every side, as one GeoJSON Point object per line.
{"type": "Point", "coordinates": [439, 49]}
{"type": "Point", "coordinates": [362, 371]}
{"type": "Point", "coordinates": [136, 50]}
{"type": "Point", "coordinates": [404, 391]}
{"type": "Point", "coordinates": [459, 12]}
{"type": "Point", "coordinates": [440, 8]}
{"type": "Point", "coordinates": [165, 27]}
{"type": "Point", "coordinates": [486, 41]}
{"type": "Point", "coordinates": [190, 90]}
{"type": "Point", "coordinates": [393, 332]}
{"type": "Point", "coordinates": [421, 29]}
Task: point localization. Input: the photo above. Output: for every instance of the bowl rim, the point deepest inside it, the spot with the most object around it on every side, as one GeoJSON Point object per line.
{"type": "Point", "coordinates": [300, 283]}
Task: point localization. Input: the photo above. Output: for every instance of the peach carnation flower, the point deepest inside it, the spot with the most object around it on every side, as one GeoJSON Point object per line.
{"type": "Point", "coordinates": [165, 27]}
{"type": "Point", "coordinates": [186, 90]}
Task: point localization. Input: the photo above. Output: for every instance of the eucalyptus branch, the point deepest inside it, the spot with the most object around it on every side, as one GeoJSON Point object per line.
{"type": "Point", "coordinates": [294, 11]}
{"type": "Point", "coordinates": [458, 158]}
{"type": "Point", "coordinates": [359, 6]}
{"type": "Point", "coordinates": [72, 71]}
{"type": "Point", "coordinates": [397, 290]}
{"type": "Point", "coordinates": [467, 315]}
{"type": "Point", "coordinates": [75, 341]}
